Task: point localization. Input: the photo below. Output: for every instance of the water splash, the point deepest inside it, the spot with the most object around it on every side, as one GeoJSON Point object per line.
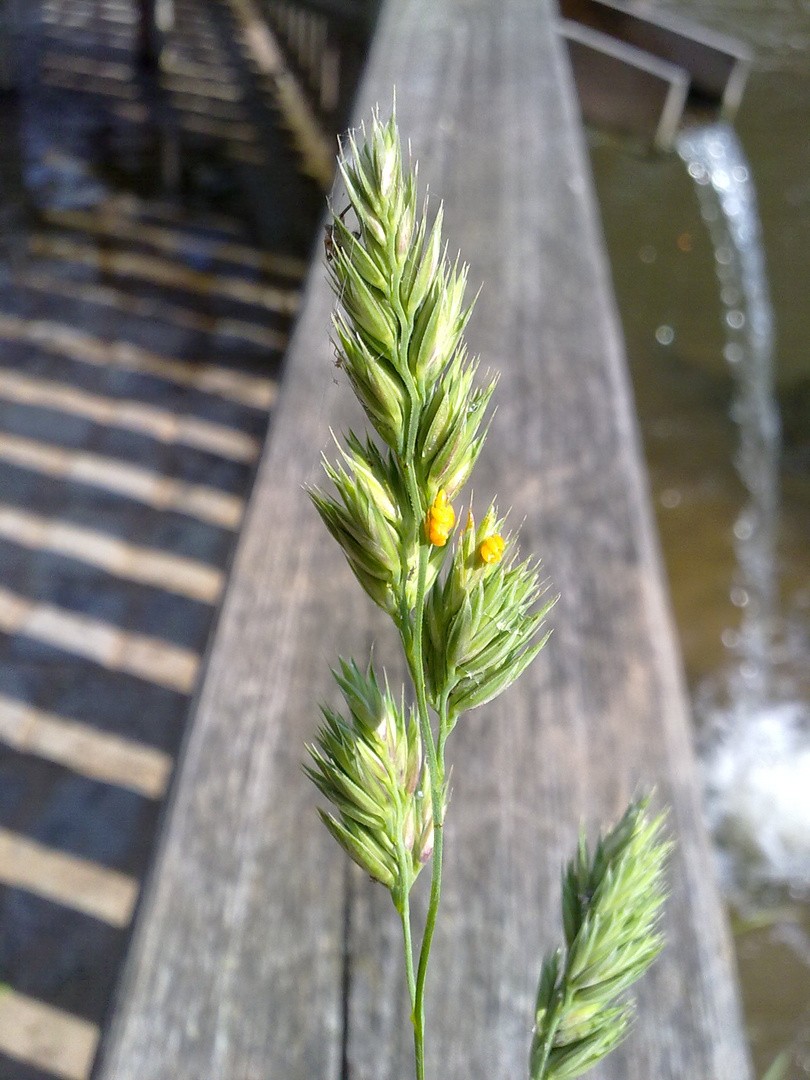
{"type": "Point", "coordinates": [757, 752]}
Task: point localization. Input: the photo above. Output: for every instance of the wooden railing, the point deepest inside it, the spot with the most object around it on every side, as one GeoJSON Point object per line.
{"type": "Point", "coordinates": [301, 58]}
{"type": "Point", "coordinates": [326, 43]}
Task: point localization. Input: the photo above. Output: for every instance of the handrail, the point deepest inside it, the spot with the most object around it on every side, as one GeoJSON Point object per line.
{"type": "Point", "coordinates": [326, 42]}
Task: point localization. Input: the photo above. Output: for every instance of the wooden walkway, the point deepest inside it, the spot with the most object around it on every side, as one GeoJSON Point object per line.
{"type": "Point", "coordinates": [141, 340]}
{"type": "Point", "coordinates": [259, 953]}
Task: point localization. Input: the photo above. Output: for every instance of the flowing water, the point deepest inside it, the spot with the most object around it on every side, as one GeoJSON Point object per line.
{"type": "Point", "coordinates": [717, 370]}
{"type": "Point", "coordinates": [716, 162]}
{"type": "Point", "coordinates": [757, 735]}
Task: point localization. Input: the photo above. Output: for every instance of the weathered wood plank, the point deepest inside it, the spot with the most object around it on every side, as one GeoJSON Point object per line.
{"type": "Point", "coordinates": [237, 965]}
{"type": "Point", "coordinates": [259, 954]}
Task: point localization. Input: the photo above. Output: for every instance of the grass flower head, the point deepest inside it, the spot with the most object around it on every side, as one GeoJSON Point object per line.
{"type": "Point", "coordinates": [469, 614]}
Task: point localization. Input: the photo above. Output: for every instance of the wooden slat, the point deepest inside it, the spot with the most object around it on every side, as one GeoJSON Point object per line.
{"type": "Point", "coordinates": [122, 478]}
{"type": "Point", "coordinates": [146, 657]}
{"type": "Point", "coordinates": [173, 64]}
{"type": "Point", "coordinates": [130, 415]}
{"type": "Point", "coordinates": [217, 90]}
{"type": "Point", "coordinates": [87, 65]}
{"type": "Point", "coordinates": [90, 84]}
{"type": "Point", "coordinates": [241, 965]}
{"type": "Point", "coordinates": [147, 566]}
{"type": "Point", "coordinates": [100, 755]}
{"type": "Point", "coordinates": [114, 13]}
{"type": "Point", "coordinates": [66, 879]}
{"type": "Point", "coordinates": [68, 341]}
{"type": "Point", "coordinates": [46, 1038]}
{"type": "Point", "coordinates": [173, 242]}
{"type": "Point", "coordinates": [266, 337]}
{"type": "Point", "coordinates": [160, 271]}
{"type": "Point", "coordinates": [134, 208]}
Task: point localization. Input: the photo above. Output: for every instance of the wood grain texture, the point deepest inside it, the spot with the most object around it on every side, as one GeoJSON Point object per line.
{"type": "Point", "coordinates": [259, 954]}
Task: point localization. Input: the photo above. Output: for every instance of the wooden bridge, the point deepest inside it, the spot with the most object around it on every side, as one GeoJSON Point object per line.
{"type": "Point", "coordinates": [258, 952]}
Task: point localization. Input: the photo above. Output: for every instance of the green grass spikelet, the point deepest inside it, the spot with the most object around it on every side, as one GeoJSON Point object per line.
{"type": "Point", "coordinates": [611, 904]}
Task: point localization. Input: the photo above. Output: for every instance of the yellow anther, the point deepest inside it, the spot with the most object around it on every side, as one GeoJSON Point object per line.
{"type": "Point", "coordinates": [441, 518]}
{"type": "Point", "coordinates": [492, 549]}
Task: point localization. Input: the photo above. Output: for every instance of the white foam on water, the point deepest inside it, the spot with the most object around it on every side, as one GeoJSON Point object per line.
{"type": "Point", "coordinates": [756, 772]}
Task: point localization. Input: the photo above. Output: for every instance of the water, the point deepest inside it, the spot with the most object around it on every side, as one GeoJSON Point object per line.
{"type": "Point", "coordinates": [722, 176]}
{"type": "Point", "coordinates": [756, 739]}
{"type": "Point", "coordinates": [714, 369]}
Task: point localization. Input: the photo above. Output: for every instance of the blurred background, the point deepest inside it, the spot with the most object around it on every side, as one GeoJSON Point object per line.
{"type": "Point", "coordinates": [162, 179]}
{"type": "Point", "coordinates": [163, 168]}
{"type": "Point", "coordinates": [718, 349]}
